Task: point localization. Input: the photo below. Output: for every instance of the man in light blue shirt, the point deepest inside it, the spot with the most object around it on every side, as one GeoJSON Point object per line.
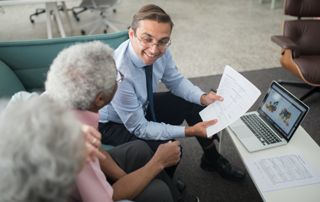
{"type": "Point", "coordinates": [131, 114]}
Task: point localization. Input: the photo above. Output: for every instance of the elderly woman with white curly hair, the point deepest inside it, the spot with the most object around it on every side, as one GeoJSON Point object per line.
{"type": "Point", "coordinates": [41, 156]}
{"type": "Point", "coordinates": [83, 77]}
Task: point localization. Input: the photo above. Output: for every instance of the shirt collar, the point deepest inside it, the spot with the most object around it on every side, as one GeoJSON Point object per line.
{"type": "Point", "coordinates": [134, 57]}
{"type": "Point", "coordinates": [87, 117]}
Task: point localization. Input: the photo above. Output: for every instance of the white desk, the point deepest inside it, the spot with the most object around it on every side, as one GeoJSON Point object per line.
{"type": "Point", "coordinates": [50, 6]}
{"type": "Point", "coordinates": [301, 142]}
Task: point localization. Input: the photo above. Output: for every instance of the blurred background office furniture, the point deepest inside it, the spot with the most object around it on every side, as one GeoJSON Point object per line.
{"type": "Point", "coordinates": [300, 44]}
{"type": "Point", "coordinates": [102, 9]}
{"type": "Point", "coordinates": [274, 3]}
{"type": "Point", "coordinates": [36, 13]}
{"type": "Point", "coordinates": [51, 11]}
{"type": "Point", "coordinates": [53, 16]}
{"type": "Point", "coordinates": [40, 11]}
{"type": "Point", "coordinates": [85, 5]}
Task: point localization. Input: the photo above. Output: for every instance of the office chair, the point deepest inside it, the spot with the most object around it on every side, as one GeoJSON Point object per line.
{"type": "Point", "coordinates": [300, 44]}
{"type": "Point", "coordinates": [40, 11]}
{"type": "Point", "coordinates": [84, 6]}
{"type": "Point", "coordinates": [100, 7]}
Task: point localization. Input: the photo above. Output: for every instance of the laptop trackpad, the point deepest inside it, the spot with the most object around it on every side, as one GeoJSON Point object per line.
{"type": "Point", "coordinates": [245, 134]}
{"type": "Point", "coordinates": [240, 129]}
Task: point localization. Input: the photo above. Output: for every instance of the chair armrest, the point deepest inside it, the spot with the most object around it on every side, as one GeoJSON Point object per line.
{"type": "Point", "coordinates": [284, 42]}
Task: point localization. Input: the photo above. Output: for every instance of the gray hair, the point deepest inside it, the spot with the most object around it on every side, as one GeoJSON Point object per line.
{"type": "Point", "coordinates": [80, 72]}
{"type": "Point", "coordinates": [41, 150]}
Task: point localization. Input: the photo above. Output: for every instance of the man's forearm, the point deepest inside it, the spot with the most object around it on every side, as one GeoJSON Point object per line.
{"type": "Point", "coordinates": [110, 168]}
{"type": "Point", "coordinates": [131, 185]}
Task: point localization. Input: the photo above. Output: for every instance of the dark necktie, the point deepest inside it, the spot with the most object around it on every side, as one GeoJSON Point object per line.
{"type": "Point", "coordinates": [148, 71]}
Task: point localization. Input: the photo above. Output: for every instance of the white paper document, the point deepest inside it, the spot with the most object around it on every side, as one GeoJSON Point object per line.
{"type": "Point", "coordinates": [279, 172]}
{"type": "Point", "coordinates": [239, 95]}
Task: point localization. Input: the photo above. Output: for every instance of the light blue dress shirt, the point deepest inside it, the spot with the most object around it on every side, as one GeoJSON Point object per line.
{"type": "Point", "coordinates": [130, 101]}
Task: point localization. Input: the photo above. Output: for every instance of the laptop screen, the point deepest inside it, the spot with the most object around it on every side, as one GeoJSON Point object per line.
{"type": "Point", "coordinates": [283, 110]}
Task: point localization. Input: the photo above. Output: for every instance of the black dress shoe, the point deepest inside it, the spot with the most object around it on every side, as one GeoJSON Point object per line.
{"type": "Point", "coordinates": [184, 195]}
{"type": "Point", "coordinates": [223, 167]}
{"type": "Point", "coordinates": [189, 198]}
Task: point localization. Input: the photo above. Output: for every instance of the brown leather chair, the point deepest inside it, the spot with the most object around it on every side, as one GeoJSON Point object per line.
{"type": "Point", "coordinates": [300, 43]}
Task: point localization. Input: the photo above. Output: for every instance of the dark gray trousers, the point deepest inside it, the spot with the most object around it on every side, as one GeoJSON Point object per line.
{"type": "Point", "coordinates": [134, 155]}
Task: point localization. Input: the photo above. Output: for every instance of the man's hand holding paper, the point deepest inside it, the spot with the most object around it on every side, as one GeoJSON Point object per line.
{"type": "Point", "coordinates": [200, 129]}
{"type": "Point", "coordinates": [209, 98]}
{"type": "Point", "coordinates": [238, 95]}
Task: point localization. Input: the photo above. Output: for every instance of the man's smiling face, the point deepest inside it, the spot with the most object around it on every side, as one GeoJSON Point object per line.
{"type": "Point", "coordinates": [150, 40]}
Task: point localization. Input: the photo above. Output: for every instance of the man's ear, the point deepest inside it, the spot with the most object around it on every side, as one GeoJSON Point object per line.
{"type": "Point", "coordinates": [131, 33]}
{"type": "Point", "coordinates": [100, 100]}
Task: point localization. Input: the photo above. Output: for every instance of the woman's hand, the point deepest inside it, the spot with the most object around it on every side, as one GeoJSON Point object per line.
{"type": "Point", "coordinates": [92, 142]}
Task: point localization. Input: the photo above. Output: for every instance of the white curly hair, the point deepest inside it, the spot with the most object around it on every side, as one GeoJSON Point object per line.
{"type": "Point", "coordinates": [41, 151]}
{"type": "Point", "coordinates": [80, 72]}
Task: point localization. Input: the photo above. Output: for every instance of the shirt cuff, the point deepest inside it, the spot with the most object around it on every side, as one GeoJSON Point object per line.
{"type": "Point", "coordinates": [178, 131]}
{"type": "Point", "coordinates": [198, 97]}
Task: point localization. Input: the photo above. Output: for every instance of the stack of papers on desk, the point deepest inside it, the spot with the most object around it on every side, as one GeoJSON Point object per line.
{"type": "Point", "coordinates": [281, 171]}
{"type": "Point", "coordinates": [239, 95]}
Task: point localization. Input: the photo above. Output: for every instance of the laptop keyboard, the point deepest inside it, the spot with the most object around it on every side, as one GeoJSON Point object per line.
{"type": "Point", "coordinates": [259, 129]}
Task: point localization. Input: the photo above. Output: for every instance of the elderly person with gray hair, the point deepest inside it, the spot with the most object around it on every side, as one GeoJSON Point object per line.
{"type": "Point", "coordinates": [83, 77]}
{"type": "Point", "coordinates": [42, 155]}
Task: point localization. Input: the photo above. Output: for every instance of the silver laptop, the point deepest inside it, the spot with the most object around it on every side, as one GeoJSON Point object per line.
{"type": "Point", "coordinates": [275, 122]}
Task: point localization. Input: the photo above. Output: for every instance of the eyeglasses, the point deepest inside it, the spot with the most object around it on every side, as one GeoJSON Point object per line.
{"type": "Point", "coordinates": [147, 41]}
{"type": "Point", "coordinates": [120, 76]}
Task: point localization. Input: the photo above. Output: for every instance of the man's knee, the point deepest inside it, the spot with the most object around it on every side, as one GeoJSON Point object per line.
{"type": "Point", "coordinates": [156, 191]}
{"type": "Point", "coordinates": [141, 150]}
{"type": "Point", "coordinates": [132, 155]}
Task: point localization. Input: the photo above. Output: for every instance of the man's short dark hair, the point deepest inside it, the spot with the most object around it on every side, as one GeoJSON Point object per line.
{"type": "Point", "coordinates": [150, 12]}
